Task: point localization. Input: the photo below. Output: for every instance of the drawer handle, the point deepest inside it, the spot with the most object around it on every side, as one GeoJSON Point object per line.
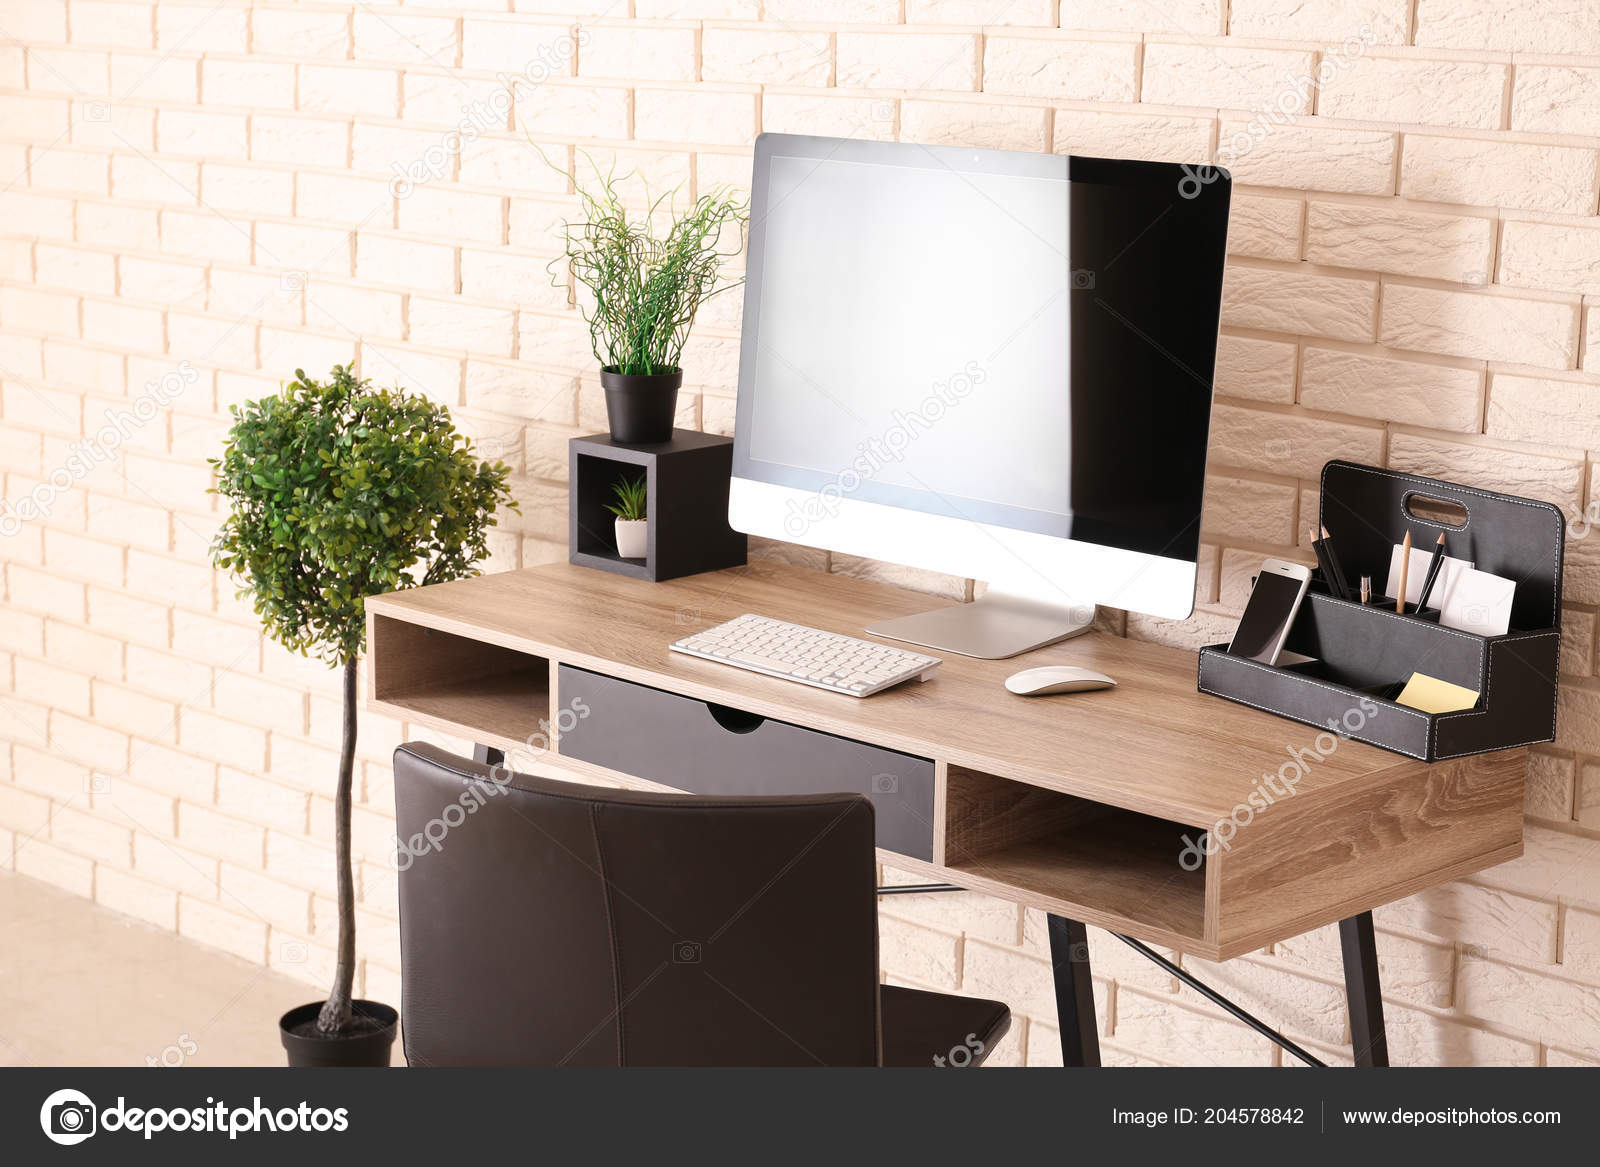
{"type": "Point", "coordinates": [735, 720]}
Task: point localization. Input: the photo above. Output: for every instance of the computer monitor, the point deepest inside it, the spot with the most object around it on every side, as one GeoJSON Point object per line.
{"type": "Point", "coordinates": [987, 363]}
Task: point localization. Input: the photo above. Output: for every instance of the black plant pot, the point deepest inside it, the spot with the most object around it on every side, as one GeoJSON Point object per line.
{"type": "Point", "coordinates": [367, 1045]}
{"type": "Point", "coordinates": [641, 408]}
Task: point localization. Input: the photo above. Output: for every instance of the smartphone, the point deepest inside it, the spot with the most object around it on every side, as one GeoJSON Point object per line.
{"type": "Point", "coordinates": [1270, 611]}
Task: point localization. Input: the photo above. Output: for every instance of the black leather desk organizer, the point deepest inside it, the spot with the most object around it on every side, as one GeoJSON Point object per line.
{"type": "Point", "coordinates": [1366, 652]}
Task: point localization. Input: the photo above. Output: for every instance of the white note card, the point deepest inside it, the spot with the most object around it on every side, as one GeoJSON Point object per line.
{"type": "Point", "coordinates": [1478, 602]}
{"type": "Point", "coordinates": [1417, 575]}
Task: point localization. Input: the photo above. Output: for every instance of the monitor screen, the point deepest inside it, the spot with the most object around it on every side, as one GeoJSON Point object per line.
{"type": "Point", "coordinates": [1021, 340]}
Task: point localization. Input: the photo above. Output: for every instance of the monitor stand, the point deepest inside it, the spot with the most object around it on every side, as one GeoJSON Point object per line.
{"type": "Point", "coordinates": [998, 624]}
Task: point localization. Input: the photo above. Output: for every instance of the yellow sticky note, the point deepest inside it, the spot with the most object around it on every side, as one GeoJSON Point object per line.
{"type": "Point", "coordinates": [1431, 695]}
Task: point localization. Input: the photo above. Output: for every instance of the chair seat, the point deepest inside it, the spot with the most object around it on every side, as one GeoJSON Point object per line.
{"type": "Point", "coordinates": [920, 1027]}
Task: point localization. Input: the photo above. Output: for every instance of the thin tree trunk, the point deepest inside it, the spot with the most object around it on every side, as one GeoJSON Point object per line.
{"type": "Point", "coordinates": [335, 1015]}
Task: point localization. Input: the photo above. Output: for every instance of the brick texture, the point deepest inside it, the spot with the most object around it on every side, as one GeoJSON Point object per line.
{"type": "Point", "coordinates": [214, 192]}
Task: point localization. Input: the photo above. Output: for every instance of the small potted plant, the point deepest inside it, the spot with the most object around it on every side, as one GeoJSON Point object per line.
{"type": "Point", "coordinates": [340, 491]}
{"type": "Point", "coordinates": [639, 290]}
{"type": "Point", "coordinates": [633, 527]}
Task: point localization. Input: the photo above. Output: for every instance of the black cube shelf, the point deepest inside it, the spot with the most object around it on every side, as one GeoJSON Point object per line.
{"type": "Point", "coordinates": [686, 504]}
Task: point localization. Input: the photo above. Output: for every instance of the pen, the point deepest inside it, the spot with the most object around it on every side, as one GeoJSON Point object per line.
{"type": "Point", "coordinates": [1333, 562]}
{"type": "Point", "coordinates": [1322, 562]}
{"type": "Point", "coordinates": [1366, 589]}
{"type": "Point", "coordinates": [1433, 573]}
{"type": "Point", "coordinates": [1405, 565]}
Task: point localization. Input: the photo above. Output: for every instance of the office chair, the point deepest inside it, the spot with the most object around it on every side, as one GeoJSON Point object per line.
{"type": "Point", "coordinates": [547, 923]}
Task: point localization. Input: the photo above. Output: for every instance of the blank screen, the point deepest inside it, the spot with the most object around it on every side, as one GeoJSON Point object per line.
{"type": "Point", "coordinates": [877, 292]}
{"type": "Point", "coordinates": [1008, 347]}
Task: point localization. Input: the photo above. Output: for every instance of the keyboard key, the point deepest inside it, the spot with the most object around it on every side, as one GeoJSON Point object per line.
{"type": "Point", "coordinates": [761, 662]}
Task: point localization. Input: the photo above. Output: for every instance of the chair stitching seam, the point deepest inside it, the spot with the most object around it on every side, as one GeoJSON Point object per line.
{"type": "Point", "coordinates": [611, 933]}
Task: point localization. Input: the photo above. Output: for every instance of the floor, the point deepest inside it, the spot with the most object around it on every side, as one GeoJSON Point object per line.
{"type": "Point", "coordinates": [83, 986]}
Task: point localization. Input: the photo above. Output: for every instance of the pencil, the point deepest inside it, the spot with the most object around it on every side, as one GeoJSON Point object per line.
{"type": "Point", "coordinates": [1433, 573]}
{"type": "Point", "coordinates": [1405, 564]}
{"type": "Point", "coordinates": [1333, 563]}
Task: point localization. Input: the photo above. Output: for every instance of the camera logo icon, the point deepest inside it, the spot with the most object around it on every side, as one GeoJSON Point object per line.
{"type": "Point", "coordinates": [293, 952]}
{"type": "Point", "coordinates": [686, 952]}
{"type": "Point", "coordinates": [67, 1117]}
{"type": "Point", "coordinates": [1082, 279]}
{"type": "Point", "coordinates": [885, 784]}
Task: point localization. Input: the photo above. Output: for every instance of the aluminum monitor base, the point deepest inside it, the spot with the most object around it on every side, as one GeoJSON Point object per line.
{"type": "Point", "coordinates": [996, 625]}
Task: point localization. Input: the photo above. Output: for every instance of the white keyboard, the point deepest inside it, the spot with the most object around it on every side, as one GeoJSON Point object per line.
{"type": "Point", "coordinates": [794, 652]}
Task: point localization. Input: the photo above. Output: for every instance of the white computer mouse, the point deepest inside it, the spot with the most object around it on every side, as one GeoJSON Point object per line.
{"type": "Point", "coordinates": [1056, 679]}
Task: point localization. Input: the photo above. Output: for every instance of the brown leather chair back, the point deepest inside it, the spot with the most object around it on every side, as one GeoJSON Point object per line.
{"type": "Point", "coordinates": [548, 923]}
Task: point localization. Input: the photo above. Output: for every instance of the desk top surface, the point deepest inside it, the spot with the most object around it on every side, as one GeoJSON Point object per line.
{"type": "Point", "coordinates": [1153, 744]}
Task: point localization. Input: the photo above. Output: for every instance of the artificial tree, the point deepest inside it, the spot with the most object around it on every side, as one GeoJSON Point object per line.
{"type": "Point", "coordinates": [340, 491]}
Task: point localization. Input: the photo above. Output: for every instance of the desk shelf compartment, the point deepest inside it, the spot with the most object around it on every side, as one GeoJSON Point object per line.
{"type": "Point", "coordinates": [704, 748]}
{"type": "Point", "coordinates": [1365, 653]}
{"type": "Point", "coordinates": [1111, 866]}
{"type": "Point", "coordinates": [457, 684]}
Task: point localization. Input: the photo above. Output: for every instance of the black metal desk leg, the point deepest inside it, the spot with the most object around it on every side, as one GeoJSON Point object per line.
{"type": "Point", "coordinates": [1069, 956]}
{"type": "Point", "coordinates": [488, 755]}
{"type": "Point", "coordinates": [1368, 1040]}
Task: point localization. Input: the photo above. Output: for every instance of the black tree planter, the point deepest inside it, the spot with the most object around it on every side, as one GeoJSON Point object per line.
{"type": "Point", "coordinates": [640, 408]}
{"type": "Point", "coordinates": [366, 1042]}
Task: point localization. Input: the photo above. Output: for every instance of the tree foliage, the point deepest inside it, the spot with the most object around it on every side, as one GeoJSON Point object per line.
{"type": "Point", "coordinates": [340, 491]}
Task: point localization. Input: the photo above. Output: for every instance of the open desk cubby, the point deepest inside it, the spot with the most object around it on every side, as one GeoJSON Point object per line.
{"type": "Point", "coordinates": [1111, 862]}
{"type": "Point", "coordinates": [456, 684]}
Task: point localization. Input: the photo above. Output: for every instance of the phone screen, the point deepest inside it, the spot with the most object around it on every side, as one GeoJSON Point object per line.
{"type": "Point", "coordinates": [1268, 610]}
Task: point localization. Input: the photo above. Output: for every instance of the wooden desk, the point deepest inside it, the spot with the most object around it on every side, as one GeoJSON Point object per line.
{"type": "Point", "coordinates": [1081, 805]}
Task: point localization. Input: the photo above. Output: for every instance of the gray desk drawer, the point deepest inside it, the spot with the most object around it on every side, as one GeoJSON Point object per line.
{"type": "Point", "coordinates": [712, 749]}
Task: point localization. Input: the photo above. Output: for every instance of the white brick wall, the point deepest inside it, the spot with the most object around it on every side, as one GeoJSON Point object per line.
{"type": "Point", "coordinates": [1414, 281]}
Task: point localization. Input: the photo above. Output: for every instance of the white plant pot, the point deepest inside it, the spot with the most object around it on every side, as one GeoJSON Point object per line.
{"type": "Point", "coordinates": [633, 538]}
